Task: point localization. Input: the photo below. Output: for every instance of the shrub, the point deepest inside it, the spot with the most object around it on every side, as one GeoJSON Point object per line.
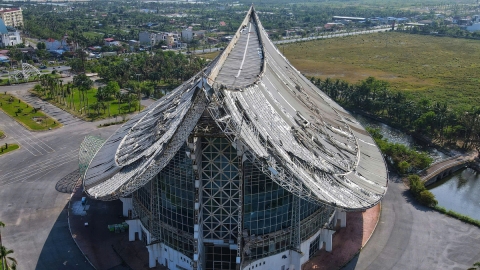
{"type": "Point", "coordinates": [416, 184]}
{"type": "Point", "coordinates": [427, 198]}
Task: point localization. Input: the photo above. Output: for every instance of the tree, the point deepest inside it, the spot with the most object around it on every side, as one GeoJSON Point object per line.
{"type": "Point", "coordinates": [41, 46]}
{"type": "Point", "coordinates": [1, 226]}
{"type": "Point", "coordinates": [82, 82]}
{"type": "Point", "coordinates": [4, 252]}
{"type": "Point", "coordinates": [427, 198]}
{"type": "Point", "coordinates": [112, 88]}
{"type": "Point", "coordinates": [476, 266]}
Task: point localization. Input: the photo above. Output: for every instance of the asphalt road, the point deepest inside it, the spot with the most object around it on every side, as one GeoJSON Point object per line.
{"type": "Point", "coordinates": [31, 207]}
{"type": "Point", "coordinates": [332, 35]}
{"type": "Point", "coordinates": [411, 236]}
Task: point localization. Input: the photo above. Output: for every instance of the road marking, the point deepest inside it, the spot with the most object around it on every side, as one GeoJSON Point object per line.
{"type": "Point", "coordinates": [39, 167]}
{"type": "Point", "coordinates": [15, 139]}
{"type": "Point", "coordinates": [45, 170]}
{"type": "Point", "coordinates": [29, 136]}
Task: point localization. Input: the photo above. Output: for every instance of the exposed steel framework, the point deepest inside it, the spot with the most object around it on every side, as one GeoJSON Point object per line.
{"type": "Point", "coordinates": [275, 118]}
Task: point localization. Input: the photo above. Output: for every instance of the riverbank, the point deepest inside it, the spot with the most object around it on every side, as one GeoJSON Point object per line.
{"type": "Point", "coordinates": [428, 142]}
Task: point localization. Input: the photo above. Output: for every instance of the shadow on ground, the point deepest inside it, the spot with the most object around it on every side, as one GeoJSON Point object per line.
{"type": "Point", "coordinates": [414, 202]}
{"type": "Point", "coordinates": [59, 250]}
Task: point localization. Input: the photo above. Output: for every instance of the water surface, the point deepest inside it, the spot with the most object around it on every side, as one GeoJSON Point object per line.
{"type": "Point", "coordinates": [459, 192]}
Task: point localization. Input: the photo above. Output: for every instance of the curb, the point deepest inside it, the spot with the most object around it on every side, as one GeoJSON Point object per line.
{"type": "Point", "coordinates": [70, 228]}
{"type": "Point", "coordinates": [19, 147]}
{"type": "Point", "coordinates": [28, 128]}
{"type": "Point", "coordinates": [358, 252]}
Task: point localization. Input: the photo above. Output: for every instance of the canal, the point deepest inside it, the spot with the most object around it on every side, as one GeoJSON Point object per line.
{"type": "Point", "coordinates": [458, 192]}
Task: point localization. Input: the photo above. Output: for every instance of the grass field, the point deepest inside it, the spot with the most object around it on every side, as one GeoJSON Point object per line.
{"type": "Point", "coordinates": [10, 148]}
{"type": "Point", "coordinates": [1, 134]}
{"type": "Point", "coordinates": [115, 108]}
{"type": "Point", "coordinates": [439, 68]}
{"type": "Point", "coordinates": [25, 114]}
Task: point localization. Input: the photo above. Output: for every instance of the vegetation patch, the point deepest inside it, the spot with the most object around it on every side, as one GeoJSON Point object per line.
{"type": "Point", "coordinates": [402, 158]}
{"type": "Point", "coordinates": [423, 66]}
{"type": "Point", "coordinates": [2, 135]}
{"type": "Point", "coordinates": [22, 112]}
{"type": "Point", "coordinates": [86, 102]}
{"type": "Point", "coordinates": [427, 198]}
{"type": "Point", "coordinates": [8, 148]}
{"type": "Point", "coordinates": [417, 187]}
{"type": "Point", "coordinates": [458, 216]}
{"type": "Point", "coordinates": [210, 55]}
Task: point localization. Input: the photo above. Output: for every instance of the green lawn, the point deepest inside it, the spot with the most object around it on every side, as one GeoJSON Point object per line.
{"type": "Point", "coordinates": [439, 68]}
{"type": "Point", "coordinates": [25, 114]}
{"type": "Point", "coordinates": [1, 134]}
{"type": "Point", "coordinates": [4, 150]}
{"type": "Point", "coordinates": [72, 104]}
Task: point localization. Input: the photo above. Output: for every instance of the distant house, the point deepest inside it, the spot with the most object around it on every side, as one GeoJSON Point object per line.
{"type": "Point", "coordinates": [145, 38]}
{"type": "Point", "coordinates": [57, 45]}
{"type": "Point", "coordinates": [332, 26]}
{"type": "Point", "coordinates": [188, 34]}
{"type": "Point", "coordinates": [4, 58]}
{"type": "Point", "coordinates": [111, 42]}
{"type": "Point", "coordinates": [222, 23]}
{"type": "Point", "coordinates": [151, 39]}
{"type": "Point", "coordinates": [9, 36]}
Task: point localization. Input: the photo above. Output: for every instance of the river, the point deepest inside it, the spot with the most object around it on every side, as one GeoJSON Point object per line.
{"type": "Point", "coordinates": [459, 192]}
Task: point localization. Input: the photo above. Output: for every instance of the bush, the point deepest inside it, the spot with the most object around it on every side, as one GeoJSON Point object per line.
{"type": "Point", "coordinates": [427, 198]}
{"type": "Point", "coordinates": [417, 187]}
{"type": "Point", "coordinates": [416, 184]}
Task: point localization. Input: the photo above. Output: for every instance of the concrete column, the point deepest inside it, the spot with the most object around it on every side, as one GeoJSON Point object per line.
{"type": "Point", "coordinates": [132, 229]}
{"type": "Point", "coordinates": [342, 216]}
{"type": "Point", "coordinates": [328, 239]}
{"type": "Point", "coordinates": [152, 261]}
{"type": "Point", "coordinates": [127, 205]}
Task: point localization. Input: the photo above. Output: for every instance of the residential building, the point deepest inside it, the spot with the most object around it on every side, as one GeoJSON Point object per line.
{"type": "Point", "coordinates": [9, 36]}
{"type": "Point", "coordinates": [57, 45]}
{"type": "Point", "coordinates": [12, 16]}
{"type": "Point", "coordinates": [111, 42]}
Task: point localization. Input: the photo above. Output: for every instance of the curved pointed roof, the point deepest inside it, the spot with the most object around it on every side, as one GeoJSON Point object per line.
{"type": "Point", "coordinates": [286, 126]}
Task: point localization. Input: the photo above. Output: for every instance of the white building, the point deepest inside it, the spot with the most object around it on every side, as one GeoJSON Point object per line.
{"type": "Point", "coordinates": [9, 36]}
{"type": "Point", "coordinates": [171, 39]}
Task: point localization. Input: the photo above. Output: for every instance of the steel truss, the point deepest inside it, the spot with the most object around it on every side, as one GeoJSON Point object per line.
{"type": "Point", "coordinates": [88, 148]}
{"type": "Point", "coordinates": [25, 73]}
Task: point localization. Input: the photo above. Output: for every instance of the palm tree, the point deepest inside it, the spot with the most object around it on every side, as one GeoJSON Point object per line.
{"type": "Point", "coordinates": [476, 266]}
{"type": "Point", "coordinates": [4, 252]}
{"type": "Point", "coordinates": [1, 226]}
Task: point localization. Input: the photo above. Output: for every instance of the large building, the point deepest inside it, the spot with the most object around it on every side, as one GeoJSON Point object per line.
{"type": "Point", "coordinates": [247, 165]}
{"type": "Point", "coordinates": [9, 36]}
{"type": "Point", "coordinates": [12, 16]}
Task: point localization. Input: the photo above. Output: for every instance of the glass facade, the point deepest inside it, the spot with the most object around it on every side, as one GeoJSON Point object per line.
{"type": "Point", "coordinates": [166, 206]}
